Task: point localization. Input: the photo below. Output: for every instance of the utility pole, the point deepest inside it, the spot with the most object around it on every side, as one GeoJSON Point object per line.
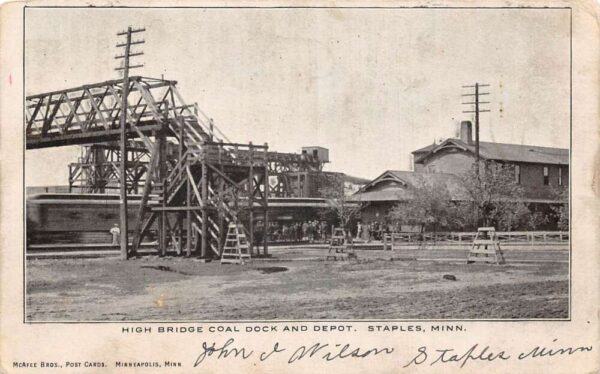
{"type": "Point", "coordinates": [124, 108]}
{"type": "Point", "coordinates": [476, 109]}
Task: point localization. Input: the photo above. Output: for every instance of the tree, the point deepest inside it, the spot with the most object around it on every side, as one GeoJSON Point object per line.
{"type": "Point", "coordinates": [341, 208]}
{"type": "Point", "coordinates": [430, 206]}
{"type": "Point", "coordinates": [494, 197]}
{"type": "Point", "coordinates": [561, 210]}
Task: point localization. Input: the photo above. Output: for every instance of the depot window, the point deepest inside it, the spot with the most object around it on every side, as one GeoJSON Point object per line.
{"type": "Point", "coordinates": [517, 174]}
{"type": "Point", "coordinates": [546, 179]}
{"type": "Point", "coordinates": [560, 181]}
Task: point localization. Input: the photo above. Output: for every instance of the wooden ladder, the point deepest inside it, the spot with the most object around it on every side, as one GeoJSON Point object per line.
{"type": "Point", "coordinates": [486, 247]}
{"type": "Point", "coordinates": [338, 246]}
{"type": "Point", "coordinates": [236, 249]}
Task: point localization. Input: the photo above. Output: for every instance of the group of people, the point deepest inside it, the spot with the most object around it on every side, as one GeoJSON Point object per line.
{"type": "Point", "coordinates": [374, 230]}
{"type": "Point", "coordinates": [319, 230]}
{"type": "Point", "coordinates": [299, 231]}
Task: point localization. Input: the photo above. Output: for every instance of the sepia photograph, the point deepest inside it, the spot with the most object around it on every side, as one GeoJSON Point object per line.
{"type": "Point", "coordinates": [296, 164]}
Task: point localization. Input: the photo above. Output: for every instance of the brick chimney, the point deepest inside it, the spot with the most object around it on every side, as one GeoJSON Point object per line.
{"type": "Point", "coordinates": [466, 132]}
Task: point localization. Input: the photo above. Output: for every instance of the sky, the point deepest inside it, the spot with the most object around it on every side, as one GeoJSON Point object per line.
{"type": "Point", "coordinates": [371, 85]}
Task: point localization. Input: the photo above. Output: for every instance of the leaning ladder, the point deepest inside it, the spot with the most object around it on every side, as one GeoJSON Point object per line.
{"type": "Point", "coordinates": [486, 247]}
{"type": "Point", "coordinates": [236, 249]}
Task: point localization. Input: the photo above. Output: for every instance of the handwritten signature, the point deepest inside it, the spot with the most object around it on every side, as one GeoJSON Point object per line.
{"type": "Point", "coordinates": [326, 352]}
{"type": "Point", "coordinates": [424, 355]}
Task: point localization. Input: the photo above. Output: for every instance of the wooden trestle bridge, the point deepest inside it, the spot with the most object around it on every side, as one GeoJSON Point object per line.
{"type": "Point", "coordinates": [191, 178]}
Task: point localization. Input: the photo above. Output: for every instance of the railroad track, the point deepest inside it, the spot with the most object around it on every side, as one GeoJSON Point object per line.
{"type": "Point", "coordinates": [81, 250]}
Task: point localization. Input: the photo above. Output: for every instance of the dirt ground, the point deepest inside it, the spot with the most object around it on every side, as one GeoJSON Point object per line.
{"type": "Point", "coordinates": [299, 284]}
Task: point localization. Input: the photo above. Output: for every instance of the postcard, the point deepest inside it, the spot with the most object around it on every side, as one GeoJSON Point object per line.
{"type": "Point", "coordinates": [299, 186]}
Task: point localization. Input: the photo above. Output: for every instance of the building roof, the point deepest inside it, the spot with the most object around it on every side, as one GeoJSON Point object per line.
{"type": "Point", "coordinates": [398, 185]}
{"type": "Point", "coordinates": [503, 152]}
{"type": "Point", "coordinates": [355, 180]}
{"type": "Point", "coordinates": [425, 149]}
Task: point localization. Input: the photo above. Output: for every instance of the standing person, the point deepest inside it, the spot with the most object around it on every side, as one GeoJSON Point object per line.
{"type": "Point", "coordinates": [318, 230]}
{"type": "Point", "coordinates": [375, 230]}
{"type": "Point", "coordinates": [304, 230]}
{"type": "Point", "coordinates": [115, 231]}
{"type": "Point", "coordinates": [284, 232]}
{"type": "Point", "coordinates": [358, 230]}
{"type": "Point", "coordinates": [324, 229]}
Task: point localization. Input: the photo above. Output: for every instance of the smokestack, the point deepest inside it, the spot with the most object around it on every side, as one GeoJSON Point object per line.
{"type": "Point", "coordinates": [466, 132]}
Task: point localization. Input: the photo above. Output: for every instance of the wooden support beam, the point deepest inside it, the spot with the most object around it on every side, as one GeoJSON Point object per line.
{"type": "Point", "coordinates": [45, 122]}
{"type": "Point", "coordinates": [96, 110]}
{"type": "Point", "coordinates": [176, 208]}
{"type": "Point", "coordinates": [221, 216]}
{"type": "Point", "coordinates": [204, 181]}
{"type": "Point", "coordinates": [86, 137]}
{"type": "Point", "coordinates": [223, 175]}
{"type": "Point", "coordinates": [188, 218]}
{"type": "Point", "coordinates": [31, 119]}
{"type": "Point", "coordinates": [194, 186]}
{"type": "Point", "coordinates": [162, 168]}
{"type": "Point", "coordinates": [115, 82]}
{"type": "Point", "coordinates": [251, 202]}
{"type": "Point", "coordinates": [149, 99]}
{"type": "Point", "coordinates": [265, 208]}
{"type": "Point", "coordinates": [147, 225]}
{"type": "Point", "coordinates": [172, 232]}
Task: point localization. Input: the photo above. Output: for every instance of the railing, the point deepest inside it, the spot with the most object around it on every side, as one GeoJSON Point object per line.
{"type": "Point", "coordinates": [450, 239]}
{"type": "Point", "coordinates": [235, 153]}
{"type": "Point", "coordinates": [176, 176]}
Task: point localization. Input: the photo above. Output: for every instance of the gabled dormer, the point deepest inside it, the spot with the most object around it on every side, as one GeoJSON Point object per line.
{"type": "Point", "coordinates": [387, 179]}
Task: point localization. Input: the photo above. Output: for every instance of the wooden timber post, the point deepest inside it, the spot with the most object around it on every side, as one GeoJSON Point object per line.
{"type": "Point", "coordinates": [188, 192]}
{"type": "Point", "coordinates": [180, 233]}
{"type": "Point", "coordinates": [98, 158]}
{"type": "Point", "coordinates": [221, 212]}
{"type": "Point", "coordinates": [204, 181]}
{"type": "Point", "coordinates": [251, 201]}
{"type": "Point", "coordinates": [265, 204]}
{"type": "Point", "coordinates": [222, 202]}
{"type": "Point", "coordinates": [162, 218]}
{"type": "Point", "coordinates": [188, 218]}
